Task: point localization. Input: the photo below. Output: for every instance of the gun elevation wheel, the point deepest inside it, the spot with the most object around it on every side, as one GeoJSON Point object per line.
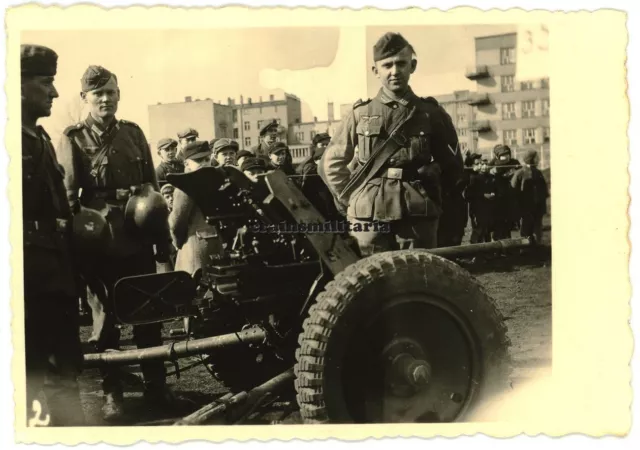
{"type": "Point", "coordinates": [400, 336]}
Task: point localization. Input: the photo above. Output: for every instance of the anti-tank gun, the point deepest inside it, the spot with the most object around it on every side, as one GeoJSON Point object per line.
{"type": "Point", "coordinates": [403, 336]}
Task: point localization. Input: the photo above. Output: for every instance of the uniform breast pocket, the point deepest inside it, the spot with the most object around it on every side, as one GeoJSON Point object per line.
{"type": "Point", "coordinates": [101, 172]}
{"type": "Point", "coordinates": [368, 134]}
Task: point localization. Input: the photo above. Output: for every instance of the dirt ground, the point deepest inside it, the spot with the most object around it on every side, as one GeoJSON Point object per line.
{"type": "Point", "coordinates": [520, 284]}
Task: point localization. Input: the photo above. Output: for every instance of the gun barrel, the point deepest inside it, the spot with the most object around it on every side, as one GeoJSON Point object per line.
{"type": "Point", "coordinates": [176, 350]}
{"type": "Point", "coordinates": [487, 247]}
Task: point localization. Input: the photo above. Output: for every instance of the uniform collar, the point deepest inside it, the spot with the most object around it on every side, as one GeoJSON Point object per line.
{"type": "Point", "coordinates": [37, 134]}
{"type": "Point", "coordinates": [389, 98]}
{"type": "Point", "coordinates": [94, 126]}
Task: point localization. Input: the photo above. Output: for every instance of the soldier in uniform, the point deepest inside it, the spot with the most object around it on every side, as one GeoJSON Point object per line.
{"type": "Point", "coordinates": [109, 160]}
{"type": "Point", "coordinates": [226, 152]}
{"type": "Point", "coordinates": [52, 343]}
{"type": "Point", "coordinates": [407, 152]}
{"type": "Point", "coordinates": [268, 137]}
{"type": "Point", "coordinates": [184, 137]}
{"type": "Point", "coordinates": [167, 149]}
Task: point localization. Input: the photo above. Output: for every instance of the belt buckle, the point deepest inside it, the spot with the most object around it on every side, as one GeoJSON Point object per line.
{"type": "Point", "coordinates": [394, 173]}
{"type": "Point", "coordinates": [122, 194]}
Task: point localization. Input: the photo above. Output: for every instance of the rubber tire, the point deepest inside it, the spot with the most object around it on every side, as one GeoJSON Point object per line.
{"type": "Point", "coordinates": [397, 272]}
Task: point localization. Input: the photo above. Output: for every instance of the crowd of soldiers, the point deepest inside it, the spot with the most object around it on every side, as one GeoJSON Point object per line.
{"type": "Point", "coordinates": [394, 159]}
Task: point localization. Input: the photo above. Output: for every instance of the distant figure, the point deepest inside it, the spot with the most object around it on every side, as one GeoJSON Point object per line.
{"type": "Point", "coordinates": [242, 154]}
{"type": "Point", "coordinates": [184, 137]}
{"type": "Point", "coordinates": [252, 167]}
{"type": "Point", "coordinates": [268, 137]}
{"type": "Point", "coordinates": [531, 193]}
{"type": "Point", "coordinates": [167, 149]}
{"type": "Point", "coordinates": [225, 152]}
{"type": "Point", "coordinates": [481, 193]}
{"type": "Point", "coordinates": [280, 158]}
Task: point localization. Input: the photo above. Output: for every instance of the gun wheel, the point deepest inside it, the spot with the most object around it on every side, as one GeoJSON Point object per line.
{"type": "Point", "coordinates": [399, 337]}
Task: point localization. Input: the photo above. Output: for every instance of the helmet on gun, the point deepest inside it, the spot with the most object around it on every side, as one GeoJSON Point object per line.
{"type": "Point", "coordinates": [91, 232]}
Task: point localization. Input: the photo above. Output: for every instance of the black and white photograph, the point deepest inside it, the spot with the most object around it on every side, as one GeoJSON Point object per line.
{"type": "Point", "coordinates": [285, 225]}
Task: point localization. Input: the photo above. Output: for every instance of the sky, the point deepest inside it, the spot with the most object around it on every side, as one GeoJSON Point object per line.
{"type": "Point", "coordinates": [316, 64]}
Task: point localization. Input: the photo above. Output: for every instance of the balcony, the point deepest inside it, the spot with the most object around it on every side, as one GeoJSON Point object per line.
{"type": "Point", "coordinates": [477, 72]}
{"type": "Point", "coordinates": [479, 99]}
{"type": "Point", "coordinates": [480, 125]}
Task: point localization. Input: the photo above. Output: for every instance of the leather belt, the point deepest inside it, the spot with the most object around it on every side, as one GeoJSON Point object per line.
{"type": "Point", "coordinates": [113, 194]}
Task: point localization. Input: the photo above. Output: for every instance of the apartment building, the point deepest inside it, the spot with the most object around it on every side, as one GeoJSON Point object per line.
{"type": "Point", "coordinates": [240, 121]}
{"type": "Point", "coordinates": [504, 111]}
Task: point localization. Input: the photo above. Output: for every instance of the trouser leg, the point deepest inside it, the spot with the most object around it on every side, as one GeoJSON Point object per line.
{"type": "Point", "coordinates": [371, 240]}
{"type": "Point", "coordinates": [416, 232]}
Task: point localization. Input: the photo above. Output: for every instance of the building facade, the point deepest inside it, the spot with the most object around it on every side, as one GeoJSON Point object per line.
{"type": "Point", "coordinates": [502, 110]}
{"type": "Point", "coordinates": [239, 121]}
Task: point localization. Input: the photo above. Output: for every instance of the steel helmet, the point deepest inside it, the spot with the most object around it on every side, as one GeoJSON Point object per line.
{"type": "Point", "coordinates": [91, 232]}
{"type": "Point", "coordinates": [147, 214]}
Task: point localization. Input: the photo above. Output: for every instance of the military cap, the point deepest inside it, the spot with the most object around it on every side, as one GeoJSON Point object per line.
{"type": "Point", "coordinates": [38, 60]}
{"type": "Point", "coordinates": [212, 142]}
{"type": "Point", "coordinates": [245, 153]}
{"type": "Point", "coordinates": [253, 163]}
{"type": "Point", "coordinates": [530, 157]}
{"type": "Point", "coordinates": [500, 150]}
{"type": "Point", "coordinates": [167, 188]}
{"type": "Point", "coordinates": [196, 150]}
{"type": "Point", "coordinates": [271, 126]}
{"type": "Point", "coordinates": [278, 146]}
{"type": "Point", "coordinates": [166, 143]}
{"type": "Point", "coordinates": [95, 77]}
{"type": "Point", "coordinates": [187, 132]}
{"type": "Point", "coordinates": [320, 137]}
{"type": "Point", "coordinates": [224, 143]}
{"type": "Point", "coordinates": [388, 45]}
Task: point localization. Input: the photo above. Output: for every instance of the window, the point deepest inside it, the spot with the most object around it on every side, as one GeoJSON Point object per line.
{"type": "Point", "coordinates": [544, 83]}
{"type": "Point", "coordinates": [300, 136]}
{"type": "Point", "coordinates": [509, 110]}
{"type": "Point", "coordinates": [259, 124]}
{"type": "Point", "coordinates": [526, 85]}
{"type": "Point", "coordinates": [546, 135]}
{"type": "Point", "coordinates": [463, 146]}
{"type": "Point", "coordinates": [234, 113]}
{"type": "Point", "coordinates": [545, 107]}
{"type": "Point", "coordinates": [510, 137]}
{"type": "Point", "coordinates": [507, 83]}
{"type": "Point", "coordinates": [247, 126]}
{"type": "Point", "coordinates": [507, 56]}
{"type": "Point", "coordinates": [235, 133]}
{"type": "Point", "coordinates": [462, 118]}
{"type": "Point", "coordinates": [462, 132]}
{"type": "Point", "coordinates": [247, 142]}
{"type": "Point", "coordinates": [312, 135]}
{"type": "Point", "coordinates": [529, 108]}
{"type": "Point", "coordinates": [529, 135]}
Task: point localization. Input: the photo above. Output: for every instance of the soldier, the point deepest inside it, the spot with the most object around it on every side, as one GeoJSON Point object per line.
{"type": "Point", "coordinates": [167, 149]}
{"type": "Point", "coordinates": [184, 137]}
{"type": "Point", "coordinates": [226, 152]}
{"type": "Point", "coordinates": [109, 160]}
{"type": "Point", "coordinates": [405, 156]}
{"type": "Point", "coordinates": [52, 344]}
{"type": "Point", "coordinates": [506, 208]}
{"type": "Point", "coordinates": [280, 158]}
{"type": "Point", "coordinates": [268, 137]}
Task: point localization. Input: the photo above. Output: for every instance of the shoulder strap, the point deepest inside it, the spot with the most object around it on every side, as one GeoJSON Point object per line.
{"type": "Point", "coordinates": [377, 160]}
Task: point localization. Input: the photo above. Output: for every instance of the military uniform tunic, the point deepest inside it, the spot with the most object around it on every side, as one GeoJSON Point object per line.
{"type": "Point", "coordinates": [105, 164]}
{"type": "Point", "coordinates": [429, 160]}
{"type": "Point", "coordinates": [52, 340]}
